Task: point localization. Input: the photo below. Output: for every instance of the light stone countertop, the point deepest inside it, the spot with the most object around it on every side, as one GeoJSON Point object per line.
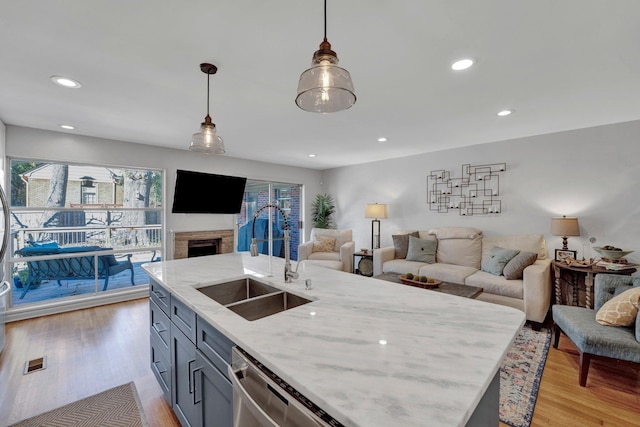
{"type": "Point", "coordinates": [441, 354]}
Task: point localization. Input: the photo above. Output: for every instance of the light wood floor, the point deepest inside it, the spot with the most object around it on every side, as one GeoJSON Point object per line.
{"type": "Point", "coordinates": [91, 350]}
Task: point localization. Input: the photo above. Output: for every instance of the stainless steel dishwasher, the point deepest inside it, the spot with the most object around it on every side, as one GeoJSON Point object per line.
{"type": "Point", "coordinates": [262, 399]}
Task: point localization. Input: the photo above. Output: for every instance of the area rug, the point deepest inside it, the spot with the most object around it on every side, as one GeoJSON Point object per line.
{"type": "Point", "coordinates": [119, 406]}
{"type": "Point", "coordinates": [520, 375]}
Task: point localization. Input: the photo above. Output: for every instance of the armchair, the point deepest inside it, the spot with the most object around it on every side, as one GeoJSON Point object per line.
{"type": "Point", "coordinates": [590, 337]}
{"type": "Point", "coordinates": [339, 258]}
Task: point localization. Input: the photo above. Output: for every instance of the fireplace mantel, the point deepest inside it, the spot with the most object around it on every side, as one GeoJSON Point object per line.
{"type": "Point", "coordinates": [181, 241]}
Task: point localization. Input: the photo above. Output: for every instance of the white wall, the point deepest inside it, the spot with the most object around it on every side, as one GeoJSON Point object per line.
{"type": "Point", "coordinates": [32, 143]}
{"type": "Point", "coordinates": [591, 173]}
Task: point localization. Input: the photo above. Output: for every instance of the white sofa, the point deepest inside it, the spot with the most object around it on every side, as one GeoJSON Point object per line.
{"type": "Point", "coordinates": [459, 255]}
{"type": "Point", "coordinates": [339, 258]}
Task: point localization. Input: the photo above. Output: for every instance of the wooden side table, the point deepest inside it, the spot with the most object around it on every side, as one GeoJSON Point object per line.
{"type": "Point", "coordinates": [365, 266]}
{"type": "Point", "coordinates": [575, 273]}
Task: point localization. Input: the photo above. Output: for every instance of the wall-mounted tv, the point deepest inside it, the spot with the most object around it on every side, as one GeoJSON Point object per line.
{"type": "Point", "coordinates": [198, 192]}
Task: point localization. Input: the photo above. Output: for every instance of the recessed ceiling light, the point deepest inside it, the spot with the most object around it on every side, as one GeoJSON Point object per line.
{"type": "Point", "coordinates": [65, 82]}
{"type": "Point", "coordinates": [312, 155]}
{"type": "Point", "coordinates": [68, 127]}
{"type": "Point", "coordinates": [462, 64]}
{"type": "Point", "coordinates": [382, 139]}
{"type": "Point", "coordinates": [504, 113]}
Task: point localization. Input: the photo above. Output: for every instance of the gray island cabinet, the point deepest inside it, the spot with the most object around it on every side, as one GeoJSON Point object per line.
{"type": "Point", "coordinates": [189, 358]}
{"type": "Point", "coordinates": [368, 352]}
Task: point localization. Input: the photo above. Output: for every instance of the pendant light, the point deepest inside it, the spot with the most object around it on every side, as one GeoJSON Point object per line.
{"type": "Point", "coordinates": [207, 140]}
{"type": "Point", "coordinates": [325, 87]}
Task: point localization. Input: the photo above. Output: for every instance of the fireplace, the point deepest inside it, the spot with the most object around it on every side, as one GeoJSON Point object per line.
{"type": "Point", "coordinates": [203, 247]}
{"type": "Point", "coordinates": [188, 244]}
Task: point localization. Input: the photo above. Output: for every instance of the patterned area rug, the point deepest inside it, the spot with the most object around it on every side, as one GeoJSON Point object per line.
{"type": "Point", "coordinates": [520, 375]}
{"type": "Point", "coordinates": [119, 406]}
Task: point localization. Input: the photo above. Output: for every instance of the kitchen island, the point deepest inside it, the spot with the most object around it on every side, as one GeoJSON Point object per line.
{"type": "Point", "coordinates": [368, 352]}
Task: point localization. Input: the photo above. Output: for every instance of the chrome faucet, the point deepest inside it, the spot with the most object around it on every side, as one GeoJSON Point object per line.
{"type": "Point", "coordinates": [289, 274]}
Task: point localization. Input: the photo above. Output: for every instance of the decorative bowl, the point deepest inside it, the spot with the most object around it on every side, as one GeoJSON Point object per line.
{"type": "Point", "coordinates": [606, 253]}
{"type": "Point", "coordinates": [417, 283]}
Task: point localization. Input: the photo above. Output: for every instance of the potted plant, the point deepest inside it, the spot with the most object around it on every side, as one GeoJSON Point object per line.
{"type": "Point", "coordinates": [321, 210]}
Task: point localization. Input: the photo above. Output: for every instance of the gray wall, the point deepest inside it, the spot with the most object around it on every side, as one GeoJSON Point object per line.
{"type": "Point", "coordinates": [590, 173]}
{"type": "Point", "coordinates": [29, 143]}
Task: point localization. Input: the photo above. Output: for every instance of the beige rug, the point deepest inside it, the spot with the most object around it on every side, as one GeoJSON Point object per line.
{"type": "Point", "coordinates": [119, 406]}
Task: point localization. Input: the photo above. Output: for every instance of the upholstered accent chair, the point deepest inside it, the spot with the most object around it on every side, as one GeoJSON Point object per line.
{"type": "Point", "coordinates": [329, 248]}
{"type": "Point", "coordinates": [592, 338]}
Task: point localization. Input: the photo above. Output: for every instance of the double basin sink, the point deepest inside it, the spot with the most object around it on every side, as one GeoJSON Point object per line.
{"type": "Point", "coordinates": [251, 298]}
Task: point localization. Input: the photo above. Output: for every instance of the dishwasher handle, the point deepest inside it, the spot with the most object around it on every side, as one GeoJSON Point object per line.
{"type": "Point", "coordinates": [253, 406]}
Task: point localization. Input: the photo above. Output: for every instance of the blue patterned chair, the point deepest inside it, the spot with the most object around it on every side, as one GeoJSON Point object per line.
{"type": "Point", "coordinates": [590, 337]}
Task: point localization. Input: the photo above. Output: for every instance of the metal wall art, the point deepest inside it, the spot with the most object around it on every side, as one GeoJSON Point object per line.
{"type": "Point", "coordinates": [476, 192]}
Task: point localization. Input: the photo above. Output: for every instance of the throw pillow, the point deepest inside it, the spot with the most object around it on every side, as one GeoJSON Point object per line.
{"type": "Point", "coordinates": [421, 250]}
{"type": "Point", "coordinates": [401, 244]}
{"type": "Point", "coordinates": [620, 310]}
{"type": "Point", "coordinates": [515, 268]}
{"type": "Point", "coordinates": [323, 244]}
{"type": "Point", "coordinates": [498, 259]}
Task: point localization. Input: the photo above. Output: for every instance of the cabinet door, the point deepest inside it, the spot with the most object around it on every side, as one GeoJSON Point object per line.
{"type": "Point", "coordinates": [214, 394]}
{"type": "Point", "coordinates": [183, 359]}
{"type": "Point", "coordinates": [161, 366]}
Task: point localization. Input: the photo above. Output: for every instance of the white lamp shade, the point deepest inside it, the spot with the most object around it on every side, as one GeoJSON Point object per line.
{"type": "Point", "coordinates": [325, 88]}
{"type": "Point", "coordinates": [376, 211]}
{"type": "Point", "coordinates": [565, 226]}
{"type": "Point", "coordinates": [207, 141]}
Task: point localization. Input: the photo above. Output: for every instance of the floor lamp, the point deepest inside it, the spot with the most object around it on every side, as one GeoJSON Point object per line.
{"type": "Point", "coordinates": [377, 212]}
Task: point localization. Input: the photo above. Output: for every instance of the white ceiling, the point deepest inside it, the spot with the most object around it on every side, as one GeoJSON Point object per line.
{"type": "Point", "coordinates": [560, 64]}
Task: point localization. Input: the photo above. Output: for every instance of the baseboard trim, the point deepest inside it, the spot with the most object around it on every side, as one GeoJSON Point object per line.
{"type": "Point", "coordinates": [79, 302]}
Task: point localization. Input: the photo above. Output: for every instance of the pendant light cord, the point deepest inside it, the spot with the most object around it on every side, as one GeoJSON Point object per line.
{"type": "Point", "coordinates": [208, 78]}
{"type": "Point", "coordinates": [325, 19]}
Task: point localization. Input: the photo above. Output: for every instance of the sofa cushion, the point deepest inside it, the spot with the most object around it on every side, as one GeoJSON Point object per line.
{"type": "Point", "coordinates": [422, 250]}
{"type": "Point", "coordinates": [620, 310]}
{"type": "Point", "coordinates": [459, 246]}
{"type": "Point", "coordinates": [323, 244]}
{"type": "Point", "coordinates": [401, 244]}
{"type": "Point", "coordinates": [447, 272]}
{"type": "Point", "coordinates": [341, 236]}
{"type": "Point", "coordinates": [36, 251]}
{"type": "Point", "coordinates": [497, 260]}
{"type": "Point", "coordinates": [526, 242]}
{"type": "Point", "coordinates": [496, 285]}
{"type": "Point", "coordinates": [325, 256]}
{"type": "Point", "coordinates": [402, 266]}
{"type": "Point", "coordinates": [515, 268]}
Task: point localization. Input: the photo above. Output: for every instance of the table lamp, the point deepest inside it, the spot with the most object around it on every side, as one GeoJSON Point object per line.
{"type": "Point", "coordinates": [565, 226]}
{"type": "Point", "coordinates": [375, 211]}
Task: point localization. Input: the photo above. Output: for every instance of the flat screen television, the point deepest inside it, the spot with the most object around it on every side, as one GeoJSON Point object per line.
{"type": "Point", "coordinates": [198, 192]}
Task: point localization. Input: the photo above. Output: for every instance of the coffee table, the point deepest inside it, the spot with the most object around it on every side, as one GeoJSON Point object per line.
{"type": "Point", "coordinates": [465, 291]}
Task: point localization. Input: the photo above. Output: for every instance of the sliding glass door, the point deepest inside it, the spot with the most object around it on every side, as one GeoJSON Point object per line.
{"type": "Point", "coordinates": [270, 222]}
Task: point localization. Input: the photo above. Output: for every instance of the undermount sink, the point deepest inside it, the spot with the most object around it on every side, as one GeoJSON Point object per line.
{"type": "Point", "coordinates": [237, 290]}
{"type": "Point", "coordinates": [252, 299]}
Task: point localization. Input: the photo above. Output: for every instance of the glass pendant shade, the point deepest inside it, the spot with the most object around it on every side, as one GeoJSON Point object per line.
{"type": "Point", "coordinates": [325, 87]}
{"type": "Point", "coordinates": [207, 140]}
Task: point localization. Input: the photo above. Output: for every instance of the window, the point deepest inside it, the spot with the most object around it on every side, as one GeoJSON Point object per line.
{"type": "Point", "coordinates": [80, 230]}
{"type": "Point", "coordinates": [288, 198]}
